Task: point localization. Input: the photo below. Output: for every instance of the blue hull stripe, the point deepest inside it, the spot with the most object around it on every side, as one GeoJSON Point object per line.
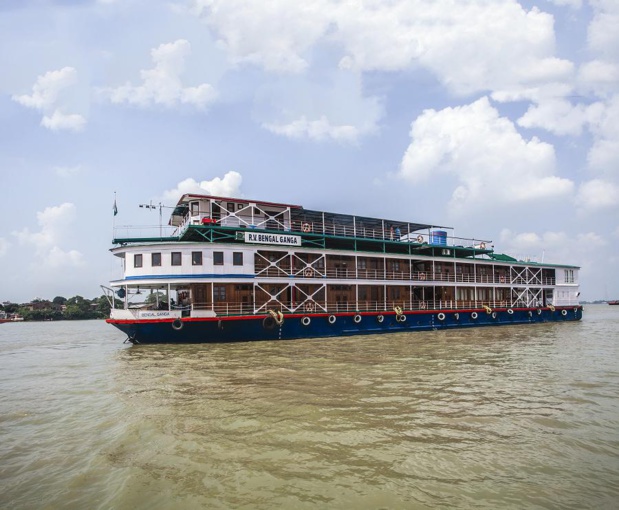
{"type": "Point", "coordinates": [262, 327]}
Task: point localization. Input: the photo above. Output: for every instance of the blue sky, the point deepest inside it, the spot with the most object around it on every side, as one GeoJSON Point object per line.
{"type": "Point", "coordinates": [499, 118]}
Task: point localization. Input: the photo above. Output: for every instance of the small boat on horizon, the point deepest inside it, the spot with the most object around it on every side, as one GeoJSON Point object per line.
{"type": "Point", "coordinates": [13, 317]}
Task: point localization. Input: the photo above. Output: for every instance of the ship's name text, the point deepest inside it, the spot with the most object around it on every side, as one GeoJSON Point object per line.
{"type": "Point", "coordinates": [284, 239]}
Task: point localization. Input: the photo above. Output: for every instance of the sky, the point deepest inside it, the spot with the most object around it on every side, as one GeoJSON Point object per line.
{"type": "Point", "coordinates": [499, 118]}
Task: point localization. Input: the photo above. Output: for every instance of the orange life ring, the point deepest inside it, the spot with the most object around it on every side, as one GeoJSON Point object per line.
{"type": "Point", "coordinates": [308, 272]}
{"type": "Point", "coordinates": [309, 306]}
{"type": "Point", "coordinates": [306, 227]}
{"type": "Point", "coordinates": [422, 276]}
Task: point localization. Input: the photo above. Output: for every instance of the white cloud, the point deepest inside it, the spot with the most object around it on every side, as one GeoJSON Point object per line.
{"type": "Point", "coordinates": [492, 162]}
{"type": "Point", "coordinates": [603, 156]}
{"type": "Point", "coordinates": [4, 246]}
{"type": "Point", "coordinates": [318, 130]}
{"type": "Point", "coordinates": [59, 121]}
{"type": "Point", "coordinates": [599, 76]}
{"type": "Point", "coordinates": [560, 117]}
{"type": "Point", "coordinates": [162, 84]}
{"type": "Point", "coordinates": [603, 36]}
{"type": "Point", "coordinates": [49, 95]}
{"type": "Point", "coordinates": [597, 194]}
{"type": "Point", "coordinates": [228, 186]}
{"type": "Point", "coordinates": [55, 223]}
{"type": "Point", "coordinates": [465, 47]}
{"type": "Point", "coordinates": [67, 171]}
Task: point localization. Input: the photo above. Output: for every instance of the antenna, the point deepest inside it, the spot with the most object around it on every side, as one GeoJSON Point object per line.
{"type": "Point", "coordinates": [150, 205]}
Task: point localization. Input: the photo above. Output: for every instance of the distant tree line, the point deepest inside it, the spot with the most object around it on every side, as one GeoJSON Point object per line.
{"type": "Point", "coordinates": [60, 308]}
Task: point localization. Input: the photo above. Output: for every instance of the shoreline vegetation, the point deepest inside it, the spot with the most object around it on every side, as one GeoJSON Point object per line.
{"type": "Point", "coordinates": [60, 308]}
{"type": "Point", "coordinates": [80, 308]}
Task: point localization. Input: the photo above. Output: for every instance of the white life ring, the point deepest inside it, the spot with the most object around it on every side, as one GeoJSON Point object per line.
{"type": "Point", "coordinates": [308, 272]}
{"type": "Point", "coordinates": [494, 315]}
{"type": "Point", "coordinates": [401, 318]}
{"type": "Point", "coordinates": [357, 319]}
{"type": "Point", "coordinates": [177, 324]}
{"type": "Point", "coordinates": [564, 312]}
{"type": "Point", "coordinates": [306, 321]}
{"type": "Point", "coordinates": [306, 227]}
{"type": "Point", "coordinates": [309, 306]}
{"type": "Point", "coordinates": [420, 239]}
{"type": "Point", "coordinates": [380, 318]}
{"type": "Point", "coordinates": [332, 319]}
{"type": "Point", "coordinates": [441, 316]}
{"type": "Point", "coordinates": [510, 311]}
{"type": "Point", "coordinates": [457, 316]}
{"type": "Point", "coordinates": [422, 305]}
{"type": "Point", "coordinates": [474, 315]}
{"type": "Point", "coordinates": [539, 311]}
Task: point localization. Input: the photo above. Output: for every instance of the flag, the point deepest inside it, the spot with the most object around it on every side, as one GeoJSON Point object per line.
{"type": "Point", "coordinates": [115, 208]}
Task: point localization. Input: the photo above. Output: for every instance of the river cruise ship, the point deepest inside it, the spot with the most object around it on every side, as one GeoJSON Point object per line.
{"type": "Point", "coordinates": [231, 269]}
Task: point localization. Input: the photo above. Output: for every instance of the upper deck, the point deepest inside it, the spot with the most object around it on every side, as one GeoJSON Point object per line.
{"type": "Point", "coordinates": [205, 218]}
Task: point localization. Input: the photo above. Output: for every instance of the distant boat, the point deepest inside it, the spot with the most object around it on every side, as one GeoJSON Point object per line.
{"type": "Point", "coordinates": [4, 317]}
{"type": "Point", "coordinates": [615, 302]}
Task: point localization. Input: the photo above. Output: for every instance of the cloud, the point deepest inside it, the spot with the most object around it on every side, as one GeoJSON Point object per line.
{"type": "Point", "coordinates": [600, 77]}
{"type": "Point", "coordinates": [491, 161]}
{"type": "Point", "coordinates": [560, 117]}
{"type": "Point", "coordinates": [602, 34]}
{"type": "Point", "coordinates": [4, 246]}
{"type": "Point", "coordinates": [55, 223]}
{"type": "Point", "coordinates": [67, 171]}
{"type": "Point", "coordinates": [318, 130]}
{"type": "Point", "coordinates": [162, 85]}
{"type": "Point", "coordinates": [597, 194]}
{"type": "Point", "coordinates": [603, 156]}
{"type": "Point", "coordinates": [48, 91]}
{"type": "Point", "coordinates": [466, 47]}
{"type": "Point", "coordinates": [228, 186]}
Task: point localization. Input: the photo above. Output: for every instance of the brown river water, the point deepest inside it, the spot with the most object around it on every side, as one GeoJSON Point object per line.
{"type": "Point", "coordinates": [492, 418]}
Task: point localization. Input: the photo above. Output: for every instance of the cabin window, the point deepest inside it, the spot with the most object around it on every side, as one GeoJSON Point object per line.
{"type": "Point", "coordinates": [155, 259]}
{"type": "Point", "coordinates": [196, 258]}
{"type": "Point", "coordinates": [195, 208]}
{"type": "Point", "coordinates": [176, 258]}
{"type": "Point", "coordinates": [137, 260]}
{"type": "Point", "coordinates": [218, 258]}
{"type": "Point", "coordinates": [237, 258]}
{"type": "Point", "coordinates": [362, 264]}
{"type": "Point", "coordinates": [231, 206]}
{"type": "Point", "coordinates": [219, 293]}
{"type": "Point", "coordinates": [569, 276]}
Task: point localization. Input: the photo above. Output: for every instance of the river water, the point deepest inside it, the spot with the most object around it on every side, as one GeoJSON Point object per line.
{"type": "Point", "coordinates": [506, 417]}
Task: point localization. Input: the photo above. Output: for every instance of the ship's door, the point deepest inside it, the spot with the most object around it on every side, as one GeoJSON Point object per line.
{"type": "Point", "coordinates": [215, 211]}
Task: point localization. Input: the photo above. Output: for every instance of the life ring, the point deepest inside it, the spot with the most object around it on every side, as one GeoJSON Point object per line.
{"type": "Point", "coordinates": [482, 246]}
{"type": "Point", "coordinates": [552, 308]}
{"type": "Point", "coordinates": [422, 305]}
{"type": "Point", "coordinates": [401, 318]}
{"type": "Point", "coordinates": [564, 312]}
{"type": "Point", "coordinates": [306, 227]}
{"type": "Point", "coordinates": [357, 319]}
{"type": "Point", "coordinates": [474, 315]}
{"type": "Point", "coordinates": [177, 324]}
{"type": "Point", "coordinates": [422, 276]}
{"type": "Point", "coordinates": [510, 311]}
{"type": "Point", "coordinates": [380, 318]}
{"type": "Point", "coordinates": [309, 306]}
{"type": "Point", "coordinates": [457, 316]}
{"type": "Point", "coordinates": [530, 313]}
{"type": "Point", "coordinates": [308, 272]}
{"type": "Point", "coordinates": [420, 239]}
{"type": "Point", "coordinates": [494, 315]}
{"type": "Point", "coordinates": [539, 311]}
{"type": "Point", "coordinates": [332, 319]}
{"type": "Point", "coordinates": [268, 322]}
{"type": "Point", "coordinates": [306, 321]}
{"type": "Point", "coordinates": [441, 316]}
{"type": "Point", "coordinates": [397, 310]}
{"type": "Point", "coordinates": [575, 309]}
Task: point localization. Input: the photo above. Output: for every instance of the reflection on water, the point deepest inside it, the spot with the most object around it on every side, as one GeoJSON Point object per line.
{"type": "Point", "coordinates": [514, 417]}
